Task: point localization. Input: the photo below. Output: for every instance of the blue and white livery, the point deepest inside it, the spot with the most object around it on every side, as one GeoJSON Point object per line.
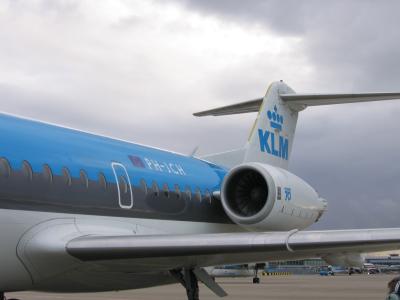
{"type": "Point", "coordinates": [81, 212]}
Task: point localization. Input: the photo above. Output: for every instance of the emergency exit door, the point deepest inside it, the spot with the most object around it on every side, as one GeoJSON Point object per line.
{"type": "Point", "coordinates": [125, 195]}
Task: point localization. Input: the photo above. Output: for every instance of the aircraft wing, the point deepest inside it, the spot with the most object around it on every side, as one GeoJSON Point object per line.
{"type": "Point", "coordinates": [201, 250]}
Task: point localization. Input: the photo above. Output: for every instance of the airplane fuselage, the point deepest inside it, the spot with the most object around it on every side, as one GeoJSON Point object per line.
{"type": "Point", "coordinates": [54, 176]}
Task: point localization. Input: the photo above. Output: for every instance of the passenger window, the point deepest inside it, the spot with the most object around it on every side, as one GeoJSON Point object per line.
{"type": "Point", "coordinates": [177, 191]}
{"type": "Point", "coordinates": [198, 195]}
{"type": "Point", "coordinates": [5, 169]}
{"type": "Point", "coordinates": [84, 179]}
{"type": "Point", "coordinates": [123, 185]}
{"type": "Point", "coordinates": [102, 181]}
{"type": "Point", "coordinates": [188, 193]}
{"type": "Point", "coordinates": [155, 189]}
{"type": "Point", "coordinates": [166, 190]}
{"type": "Point", "coordinates": [66, 176]}
{"type": "Point", "coordinates": [27, 170]}
{"type": "Point", "coordinates": [47, 174]}
{"type": "Point", "coordinates": [143, 185]}
{"type": "Point", "coordinates": [208, 196]}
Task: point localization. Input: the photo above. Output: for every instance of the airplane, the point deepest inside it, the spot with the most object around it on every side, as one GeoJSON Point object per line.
{"type": "Point", "coordinates": [81, 212]}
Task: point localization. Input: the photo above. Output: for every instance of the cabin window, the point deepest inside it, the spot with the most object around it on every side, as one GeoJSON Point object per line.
{"type": "Point", "coordinates": [47, 174]}
{"type": "Point", "coordinates": [102, 181]}
{"type": "Point", "coordinates": [143, 186]}
{"type": "Point", "coordinates": [84, 179]}
{"type": "Point", "coordinates": [198, 195]}
{"type": "Point", "coordinates": [188, 193]}
{"type": "Point", "coordinates": [177, 191]}
{"type": "Point", "coordinates": [123, 185]}
{"type": "Point", "coordinates": [66, 176]}
{"type": "Point", "coordinates": [166, 190]}
{"type": "Point", "coordinates": [207, 196]}
{"type": "Point", "coordinates": [5, 169]}
{"type": "Point", "coordinates": [27, 170]}
{"type": "Point", "coordinates": [155, 189]}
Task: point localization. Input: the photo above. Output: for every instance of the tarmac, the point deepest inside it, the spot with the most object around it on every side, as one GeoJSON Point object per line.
{"type": "Point", "coordinates": [271, 287]}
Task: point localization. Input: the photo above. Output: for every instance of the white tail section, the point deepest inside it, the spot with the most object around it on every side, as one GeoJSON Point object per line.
{"type": "Point", "coordinates": [271, 138]}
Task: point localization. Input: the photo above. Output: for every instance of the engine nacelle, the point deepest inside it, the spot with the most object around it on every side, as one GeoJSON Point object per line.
{"type": "Point", "coordinates": [261, 197]}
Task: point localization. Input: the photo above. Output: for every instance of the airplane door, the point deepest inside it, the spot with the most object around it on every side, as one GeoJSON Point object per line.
{"type": "Point", "coordinates": [125, 196]}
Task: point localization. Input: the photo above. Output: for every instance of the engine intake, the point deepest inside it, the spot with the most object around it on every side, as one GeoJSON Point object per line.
{"type": "Point", "coordinates": [248, 194]}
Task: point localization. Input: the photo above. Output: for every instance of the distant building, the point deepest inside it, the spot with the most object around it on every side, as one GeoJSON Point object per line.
{"type": "Point", "coordinates": [304, 266]}
{"type": "Point", "coordinates": [387, 260]}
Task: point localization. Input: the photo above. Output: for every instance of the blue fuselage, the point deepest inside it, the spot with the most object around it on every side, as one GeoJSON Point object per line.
{"type": "Point", "coordinates": [50, 168]}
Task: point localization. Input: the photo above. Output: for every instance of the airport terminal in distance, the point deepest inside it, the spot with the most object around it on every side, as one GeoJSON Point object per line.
{"type": "Point", "coordinates": [374, 263]}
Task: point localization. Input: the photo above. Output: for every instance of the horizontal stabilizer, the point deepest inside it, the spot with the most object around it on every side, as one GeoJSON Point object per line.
{"type": "Point", "coordinates": [327, 99]}
{"type": "Point", "coordinates": [299, 102]}
{"type": "Point", "coordinates": [240, 108]}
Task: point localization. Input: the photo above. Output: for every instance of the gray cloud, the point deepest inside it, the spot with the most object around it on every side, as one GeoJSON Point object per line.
{"type": "Point", "coordinates": [349, 153]}
{"type": "Point", "coordinates": [356, 39]}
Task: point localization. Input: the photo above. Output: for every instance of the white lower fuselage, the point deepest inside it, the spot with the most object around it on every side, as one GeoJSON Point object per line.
{"type": "Point", "coordinates": [16, 273]}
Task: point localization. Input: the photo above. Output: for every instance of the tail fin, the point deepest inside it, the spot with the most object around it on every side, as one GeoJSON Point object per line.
{"type": "Point", "coordinates": [271, 137]}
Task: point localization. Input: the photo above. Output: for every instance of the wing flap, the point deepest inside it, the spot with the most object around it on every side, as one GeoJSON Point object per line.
{"type": "Point", "coordinates": [223, 248]}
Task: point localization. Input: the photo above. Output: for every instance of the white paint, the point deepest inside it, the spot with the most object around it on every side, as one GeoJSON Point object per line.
{"type": "Point", "coordinates": [128, 182]}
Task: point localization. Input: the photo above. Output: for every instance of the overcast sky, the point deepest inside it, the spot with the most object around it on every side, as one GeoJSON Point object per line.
{"type": "Point", "coordinates": [137, 70]}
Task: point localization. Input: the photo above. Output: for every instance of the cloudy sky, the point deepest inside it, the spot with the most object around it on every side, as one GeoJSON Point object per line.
{"type": "Point", "coordinates": [137, 70]}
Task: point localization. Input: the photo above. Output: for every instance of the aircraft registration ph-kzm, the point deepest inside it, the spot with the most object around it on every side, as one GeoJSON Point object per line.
{"type": "Point", "coordinates": [86, 213]}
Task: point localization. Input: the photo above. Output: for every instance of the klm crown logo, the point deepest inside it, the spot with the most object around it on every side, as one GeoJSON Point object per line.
{"type": "Point", "coordinates": [275, 119]}
{"type": "Point", "coordinates": [272, 141]}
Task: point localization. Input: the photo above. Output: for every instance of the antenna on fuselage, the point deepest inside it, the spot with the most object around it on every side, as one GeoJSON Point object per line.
{"type": "Point", "coordinates": [194, 151]}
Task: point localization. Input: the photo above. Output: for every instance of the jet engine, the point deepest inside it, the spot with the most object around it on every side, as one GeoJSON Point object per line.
{"type": "Point", "coordinates": [261, 197]}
